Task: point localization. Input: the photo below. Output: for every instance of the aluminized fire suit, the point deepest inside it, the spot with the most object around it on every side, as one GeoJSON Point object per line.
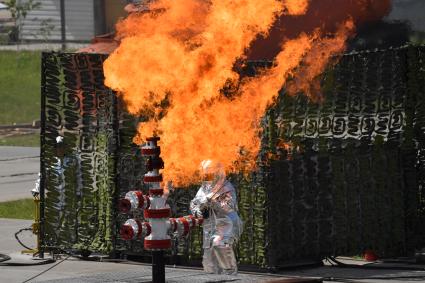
{"type": "Point", "coordinates": [216, 202]}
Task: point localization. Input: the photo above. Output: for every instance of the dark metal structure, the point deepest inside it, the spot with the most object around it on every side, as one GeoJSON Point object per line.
{"type": "Point", "coordinates": [335, 177]}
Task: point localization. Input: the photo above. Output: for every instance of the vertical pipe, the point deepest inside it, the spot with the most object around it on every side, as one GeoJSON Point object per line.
{"type": "Point", "coordinates": [63, 27]}
{"type": "Point", "coordinates": [99, 17]}
{"type": "Point", "coordinates": [158, 267]}
{"type": "Point", "coordinates": [42, 154]}
{"type": "Point", "coordinates": [116, 135]}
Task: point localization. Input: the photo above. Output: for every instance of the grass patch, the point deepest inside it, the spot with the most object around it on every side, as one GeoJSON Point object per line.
{"type": "Point", "coordinates": [21, 140]}
{"type": "Point", "coordinates": [17, 209]}
{"type": "Point", "coordinates": [20, 74]}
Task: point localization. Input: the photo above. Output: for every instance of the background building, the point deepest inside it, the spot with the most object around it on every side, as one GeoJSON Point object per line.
{"type": "Point", "coordinates": [84, 19]}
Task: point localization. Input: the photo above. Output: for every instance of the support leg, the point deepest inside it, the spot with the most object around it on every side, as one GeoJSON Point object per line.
{"type": "Point", "coordinates": [158, 267]}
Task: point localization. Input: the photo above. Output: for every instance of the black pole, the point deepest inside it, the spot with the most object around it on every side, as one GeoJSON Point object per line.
{"type": "Point", "coordinates": [42, 155]}
{"type": "Point", "coordinates": [99, 17]}
{"type": "Point", "coordinates": [63, 27]}
{"type": "Point", "coordinates": [116, 130]}
{"type": "Point", "coordinates": [158, 267]}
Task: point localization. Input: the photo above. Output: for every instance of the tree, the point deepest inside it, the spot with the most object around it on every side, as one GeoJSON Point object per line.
{"type": "Point", "coordinates": [19, 10]}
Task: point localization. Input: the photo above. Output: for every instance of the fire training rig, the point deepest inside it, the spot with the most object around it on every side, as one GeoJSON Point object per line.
{"type": "Point", "coordinates": [159, 228]}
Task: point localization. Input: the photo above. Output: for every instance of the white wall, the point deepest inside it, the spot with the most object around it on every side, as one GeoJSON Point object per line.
{"type": "Point", "coordinates": [79, 18]}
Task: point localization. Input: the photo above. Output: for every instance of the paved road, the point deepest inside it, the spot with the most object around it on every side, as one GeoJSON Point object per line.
{"type": "Point", "coordinates": [19, 167]}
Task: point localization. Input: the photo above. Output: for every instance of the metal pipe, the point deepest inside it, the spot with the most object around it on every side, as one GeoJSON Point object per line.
{"type": "Point", "coordinates": [158, 267]}
{"type": "Point", "coordinates": [160, 227]}
{"type": "Point", "coordinates": [42, 154]}
{"type": "Point", "coordinates": [63, 26]}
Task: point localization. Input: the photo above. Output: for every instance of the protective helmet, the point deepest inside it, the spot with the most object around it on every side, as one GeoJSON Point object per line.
{"type": "Point", "coordinates": [212, 172]}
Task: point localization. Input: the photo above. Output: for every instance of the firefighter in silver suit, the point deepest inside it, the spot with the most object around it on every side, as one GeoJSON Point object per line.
{"type": "Point", "coordinates": [216, 202]}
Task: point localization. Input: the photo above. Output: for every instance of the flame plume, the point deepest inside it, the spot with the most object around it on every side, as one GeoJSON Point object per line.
{"type": "Point", "coordinates": [181, 54]}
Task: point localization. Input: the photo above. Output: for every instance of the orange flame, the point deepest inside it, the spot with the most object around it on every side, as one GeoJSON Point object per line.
{"type": "Point", "coordinates": [173, 62]}
{"type": "Point", "coordinates": [296, 7]}
{"type": "Point", "coordinates": [316, 61]}
{"type": "Point", "coordinates": [187, 48]}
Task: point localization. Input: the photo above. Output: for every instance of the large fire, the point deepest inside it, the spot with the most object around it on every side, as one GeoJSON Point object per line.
{"type": "Point", "coordinates": [174, 61]}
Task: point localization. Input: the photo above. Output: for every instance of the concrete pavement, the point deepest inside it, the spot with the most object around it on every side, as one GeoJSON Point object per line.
{"type": "Point", "coordinates": [76, 271]}
{"type": "Point", "coordinates": [8, 243]}
{"type": "Point", "coordinates": [19, 167]}
{"type": "Point", "coordinates": [390, 273]}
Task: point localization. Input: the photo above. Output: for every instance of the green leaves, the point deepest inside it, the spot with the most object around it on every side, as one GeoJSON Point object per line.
{"type": "Point", "coordinates": [20, 9]}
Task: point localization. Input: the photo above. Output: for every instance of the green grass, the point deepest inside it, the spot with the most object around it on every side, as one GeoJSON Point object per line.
{"type": "Point", "coordinates": [19, 86]}
{"type": "Point", "coordinates": [17, 209]}
{"type": "Point", "coordinates": [21, 140]}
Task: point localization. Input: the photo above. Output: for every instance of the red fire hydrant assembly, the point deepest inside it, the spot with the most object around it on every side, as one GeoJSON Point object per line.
{"type": "Point", "coordinates": [157, 228]}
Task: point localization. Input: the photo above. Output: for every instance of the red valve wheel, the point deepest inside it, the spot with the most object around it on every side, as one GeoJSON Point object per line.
{"type": "Point", "coordinates": [126, 232]}
{"type": "Point", "coordinates": [148, 228]}
{"type": "Point", "coordinates": [140, 197]}
{"type": "Point", "coordinates": [124, 205]}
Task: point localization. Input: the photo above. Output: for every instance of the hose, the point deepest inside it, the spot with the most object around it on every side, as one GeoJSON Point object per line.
{"type": "Point", "coordinates": [19, 241]}
{"type": "Point", "coordinates": [337, 263]}
{"type": "Point", "coordinates": [355, 279]}
{"type": "Point", "coordinates": [4, 258]}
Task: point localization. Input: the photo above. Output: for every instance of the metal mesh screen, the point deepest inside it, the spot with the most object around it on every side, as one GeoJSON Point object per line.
{"type": "Point", "coordinates": [347, 178]}
{"type": "Point", "coordinates": [334, 177]}
{"type": "Point", "coordinates": [79, 183]}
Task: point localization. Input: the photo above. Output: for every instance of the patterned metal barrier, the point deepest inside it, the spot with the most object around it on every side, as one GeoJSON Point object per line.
{"type": "Point", "coordinates": [79, 183]}
{"type": "Point", "coordinates": [335, 177]}
{"type": "Point", "coordinates": [350, 176]}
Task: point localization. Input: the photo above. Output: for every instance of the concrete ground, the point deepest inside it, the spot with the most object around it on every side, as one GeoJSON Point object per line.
{"type": "Point", "coordinates": [73, 270]}
{"type": "Point", "coordinates": [389, 273]}
{"type": "Point", "coordinates": [19, 167]}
